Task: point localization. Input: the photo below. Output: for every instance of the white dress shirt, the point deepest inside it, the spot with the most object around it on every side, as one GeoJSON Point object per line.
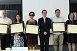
{"type": "Point", "coordinates": [57, 19]}
{"type": "Point", "coordinates": [44, 19]}
{"type": "Point", "coordinates": [5, 20]}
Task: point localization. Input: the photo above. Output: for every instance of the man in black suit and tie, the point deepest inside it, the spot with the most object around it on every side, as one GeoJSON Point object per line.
{"type": "Point", "coordinates": [44, 28]}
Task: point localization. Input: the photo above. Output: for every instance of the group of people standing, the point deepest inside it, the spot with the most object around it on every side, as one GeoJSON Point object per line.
{"type": "Point", "coordinates": [45, 24]}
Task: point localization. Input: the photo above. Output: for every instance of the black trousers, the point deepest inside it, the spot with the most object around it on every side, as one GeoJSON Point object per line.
{"type": "Point", "coordinates": [5, 41]}
{"type": "Point", "coordinates": [44, 43]}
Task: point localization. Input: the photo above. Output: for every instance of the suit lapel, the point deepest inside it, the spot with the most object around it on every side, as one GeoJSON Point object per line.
{"type": "Point", "coordinates": [42, 20]}
{"type": "Point", "coordinates": [45, 20]}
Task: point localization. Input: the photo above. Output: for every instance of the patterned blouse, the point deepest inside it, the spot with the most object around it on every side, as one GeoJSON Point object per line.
{"type": "Point", "coordinates": [18, 41]}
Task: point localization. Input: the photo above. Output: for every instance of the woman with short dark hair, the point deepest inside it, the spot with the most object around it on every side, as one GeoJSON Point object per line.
{"type": "Point", "coordinates": [31, 38]}
{"type": "Point", "coordinates": [71, 38]}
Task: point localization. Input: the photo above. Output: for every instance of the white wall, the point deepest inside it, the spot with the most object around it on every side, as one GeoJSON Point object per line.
{"type": "Point", "coordinates": [50, 5]}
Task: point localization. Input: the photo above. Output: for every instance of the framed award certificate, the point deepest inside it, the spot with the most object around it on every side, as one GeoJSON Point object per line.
{"type": "Point", "coordinates": [72, 29]}
{"type": "Point", "coordinates": [3, 28]}
{"type": "Point", "coordinates": [32, 29]}
{"type": "Point", "coordinates": [16, 28]}
{"type": "Point", "coordinates": [58, 27]}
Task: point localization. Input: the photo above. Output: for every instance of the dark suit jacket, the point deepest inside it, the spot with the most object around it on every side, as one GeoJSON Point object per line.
{"type": "Point", "coordinates": [44, 27]}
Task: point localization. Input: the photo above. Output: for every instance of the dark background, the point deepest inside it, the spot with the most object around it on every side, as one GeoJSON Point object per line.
{"type": "Point", "coordinates": [73, 5]}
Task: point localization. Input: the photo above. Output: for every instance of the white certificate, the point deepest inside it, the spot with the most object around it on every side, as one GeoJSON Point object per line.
{"type": "Point", "coordinates": [16, 28]}
{"type": "Point", "coordinates": [3, 29]}
{"type": "Point", "coordinates": [32, 29]}
{"type": "Point", "coordinates": [58, 27]}
{"type": "Point", "coordinates": [71, 28]}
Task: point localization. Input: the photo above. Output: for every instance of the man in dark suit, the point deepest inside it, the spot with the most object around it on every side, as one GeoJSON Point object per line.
{"type": "Point", "coordinates": [44, 27]}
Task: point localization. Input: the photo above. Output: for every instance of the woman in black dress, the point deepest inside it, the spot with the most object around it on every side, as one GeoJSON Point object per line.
{"type": "Point", "coordinates": [18, 39]}
{"type": "Point", "coordinates": [31, 38]}
{"type": "Point", "coordinates": [71, 38]}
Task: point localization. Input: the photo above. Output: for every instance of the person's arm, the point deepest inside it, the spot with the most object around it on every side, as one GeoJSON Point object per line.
{"type": "Point", "coordinates": [51, 24]}
{"type": "Point", "coordinates": [24, 27]}
{"type": "Point", "coordinates": [39, 26]}
{"type": "Point", "coordinates": [35, 22]}
{"type": "Point", "coordinates": [66, 26]}
{"type": "Point", "coordinates": [48, 26]}
{"type": "Point", "coordinates": [10, 21]}
{"type": "Point", "coordinates": [38, 22]}
{"type": "Point", "coordinates": [26, 22]}
{"type": "Point", "coordinates": [41, 29]}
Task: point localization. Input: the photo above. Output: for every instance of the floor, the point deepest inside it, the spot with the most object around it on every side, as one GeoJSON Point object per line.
{"type": "Point", "coordinates": [65, 48]}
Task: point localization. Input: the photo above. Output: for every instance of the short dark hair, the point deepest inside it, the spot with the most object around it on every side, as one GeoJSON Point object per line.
{"type": "Point", "coordinates": [44, 10]}
{"type": "Point", "coordinates": [32, 12]}
{"type": "Point", "coordinates": [69, 15]}
{"type": "Point", "coordinates": [57, 10]}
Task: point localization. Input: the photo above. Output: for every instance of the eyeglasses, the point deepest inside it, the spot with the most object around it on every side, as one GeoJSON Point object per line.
{"type": "Point", "coordinates": [31, 15]}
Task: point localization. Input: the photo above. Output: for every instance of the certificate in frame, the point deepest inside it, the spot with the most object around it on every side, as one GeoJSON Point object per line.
{"type": "Point", "coordinates": [71, 29]}
{"type": "Point", "coordinates": [32, 29]}
{"type": "Point", "coordinates": [3, 28]}
{"type": "Point", "coordinates": [17, 27]}
{"type": "Point", "coordinates": [58, 27]}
